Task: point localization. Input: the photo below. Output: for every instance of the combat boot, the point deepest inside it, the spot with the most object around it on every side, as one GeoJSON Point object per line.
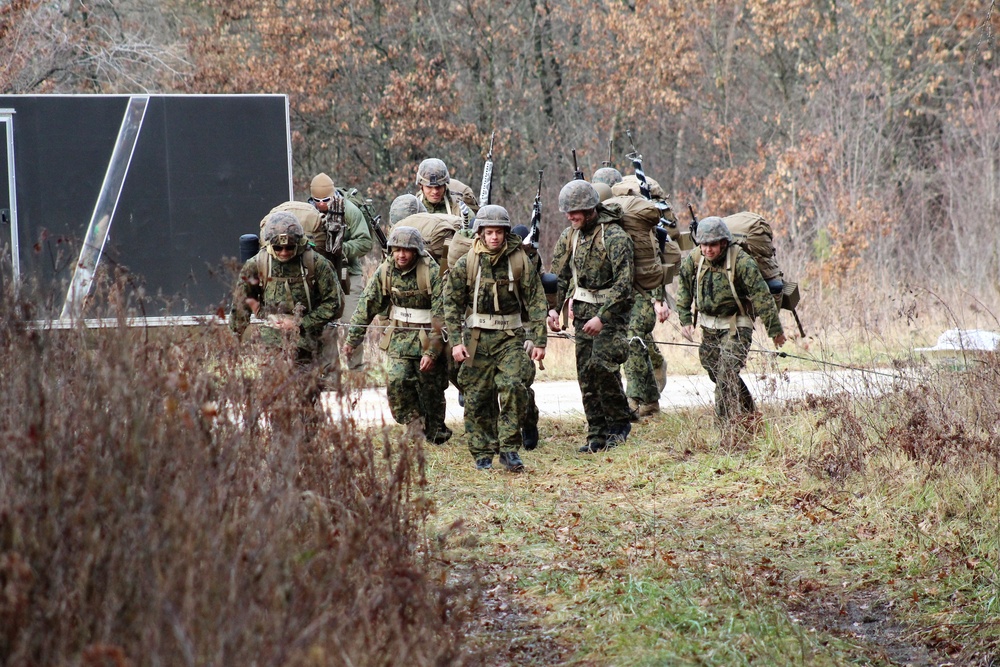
{"type": "Point", "coordinates": [441, 436]}
{"type": "Point", "coordinates": [484, 463]}
{"type": "Point", "coordinates": [512, 461]}
{"type": "Point", "coordinates": [648, 409]}
{"type": "Point", "coordinates": [618, 433]}
{"type": "Point", "coordinates": [593, 446]}
{"type": "Point", "coordinates": [529, 436]}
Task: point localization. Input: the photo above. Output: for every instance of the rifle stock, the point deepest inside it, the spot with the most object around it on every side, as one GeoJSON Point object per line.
{"type": "Point", "coordinates": [486, 187]}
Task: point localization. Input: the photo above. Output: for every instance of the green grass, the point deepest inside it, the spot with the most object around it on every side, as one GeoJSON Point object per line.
{"type": "Point", "coordinates": [670, 551]}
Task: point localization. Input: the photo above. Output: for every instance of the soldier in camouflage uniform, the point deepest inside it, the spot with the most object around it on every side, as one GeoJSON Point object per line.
{"type": "Point", "coordinates": [491, 290]}
{"type": "Point", "coordinates": [433, 179]}
{"type": "Point", "coordinates": [292, 288]}
{"type": "Point", "coordinates": [529, 429]}
{"type": "Point", "coordinates": [594, 257]}
{"type": "Point", "coordinates": [407, 285]}
{"type": "Point", "coordinates": [723, 287]}
{"type": "Point", "coordinates": [357, 243]}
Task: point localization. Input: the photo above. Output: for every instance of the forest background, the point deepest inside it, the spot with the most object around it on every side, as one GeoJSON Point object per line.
{"type": "Point", "coordinates": [867, 132]}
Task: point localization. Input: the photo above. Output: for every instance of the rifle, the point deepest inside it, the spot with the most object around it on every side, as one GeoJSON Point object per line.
{"type": "Point", "coordinates": [636, 159]}
{"type": "Point", "coordinates": [380, 234]}
{"type": "Point", "coordinates": [487, 184]}
{"type": "Point", "coordinates": [577, 173]}
{"type": "Point", "coordinates": [607, 163]}
{"type": "Point", "coordinates": [536, 216]}
{"type": "Point", "coordinates": [694, 225]}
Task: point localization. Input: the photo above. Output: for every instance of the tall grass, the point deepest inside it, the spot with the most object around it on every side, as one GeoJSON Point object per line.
{"type": "Point", "coordinates": [160, 505]}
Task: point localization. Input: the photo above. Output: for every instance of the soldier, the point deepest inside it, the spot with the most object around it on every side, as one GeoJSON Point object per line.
{"type": "Point", "coordinates": [722, 287]}
{"type": "Point", "coordinates": [594, 254]}
{"type": "Point", "coordinates": [433, 179]}
{"type": "Point", "coordinates": [407, 285]}
{"type": "Point", "coordinates": [490, 289]}
{"type": "Point", "coordinates": [607, 175]}
{"type": "Point", "coordinates": [357, 242]}
{"type": "Point", "coordinates": [291, 287]}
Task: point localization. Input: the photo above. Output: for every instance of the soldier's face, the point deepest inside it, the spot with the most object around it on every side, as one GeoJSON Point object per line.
{"type": "Point", "coordinates": [580, 218]}
{"type": "Point", "coordinates": [493, 237]}
{"type": "Point", "coordinates": [433, 193]}
{"type": "Point", "coordinates": [322, 204]}
{"type": "Point", "coordinates": [283, 253]}
{"type": "Point", "coordinates": [711, 251]}
{"type": "Point", "coordinates": [404, 257]}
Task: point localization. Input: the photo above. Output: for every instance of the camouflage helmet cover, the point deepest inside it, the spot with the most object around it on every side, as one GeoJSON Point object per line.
{"type": "Point", "coordinates": [433, 173]}
{"type": "Point", "coordinates": [578, 196]}
{"type": "Point", "coordinates": [402, 236]}
{"type": "Point", "coordinates": [607, 175]}
{"type": "Point", "coordinates": [283, 228]}
{"type": "Point", "coordinates": [713, 229]}
{"type": "Point", "coordinates": [321, 186]}
{"type": "Point", "coordinates": [404, 206]}
{"type": "Point", "coordinates": [603, 191]}
{"type": "Point", "coordinates": [491, 215]}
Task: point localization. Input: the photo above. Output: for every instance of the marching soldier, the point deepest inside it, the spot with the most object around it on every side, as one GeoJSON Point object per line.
{"type": "Point", "coordinates": [497, 295]}
{"type": "Point", "coordinates": [407, 285]}
{"type": "Point", "coordinates": [594, 255]}
{"type": "Point", "coordinates": [722, 289]}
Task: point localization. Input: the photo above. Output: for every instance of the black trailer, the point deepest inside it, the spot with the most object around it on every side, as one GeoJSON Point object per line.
{"type": "Point", "coordinates": [162, 185]}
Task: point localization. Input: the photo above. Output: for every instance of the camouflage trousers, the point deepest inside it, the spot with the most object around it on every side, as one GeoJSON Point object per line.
{"type": "Point", "coordinates": [413, 393]}
{"type": "Point", "coordinates": [495, 384]}
{"type": "Point", "coordinates": [598, 370]}
{"type": "Point", "coordinates": [644, 358]}
{"type": "Point", "coordinates": [357, 360]}
{"type": "Point", "coordinates": [724, 356]}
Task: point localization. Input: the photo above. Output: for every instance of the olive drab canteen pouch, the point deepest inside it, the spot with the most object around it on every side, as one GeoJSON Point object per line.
{"type": "Point", "coordinates": [653, 267]}
{"type": "Point", "coordinates": [437, 229]}
{"type": "Point", "coordinates": [324, 231]}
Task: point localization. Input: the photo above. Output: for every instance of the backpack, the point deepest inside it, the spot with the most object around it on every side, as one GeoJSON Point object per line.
{"type": "Point", "coordinates": [655, 263]}
{"type": "Point", "coordinates": [437, 229]}
{"type": "Point", "coordinates": [364, 204]}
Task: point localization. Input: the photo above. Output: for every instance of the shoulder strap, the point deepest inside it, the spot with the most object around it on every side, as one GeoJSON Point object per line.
{"type": "Point", "coordinates": [424, 276]}
{"type": "Point", "coordinates": [263, 269]}
{"type": "Point", "coordinates": [731, 275]}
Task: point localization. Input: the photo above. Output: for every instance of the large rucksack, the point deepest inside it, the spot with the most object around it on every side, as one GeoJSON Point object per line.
{"type": "Point", "coordinates": [437, 230]}
{"type": "Point", "coordinates": [655, 262]}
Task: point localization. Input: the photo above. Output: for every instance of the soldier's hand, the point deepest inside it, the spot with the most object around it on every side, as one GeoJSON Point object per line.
{"type": "Point", "coordinates": [347, 350]}
{"type": "Point", "coordinates": [459, 353]}
{"type": "Point", "coordinates": [553, 320]}
{"type": "Point", "coordinates": [779, 340]}
{"type": "Point", "coordinates": [537, 353]}
{"type": "Point", "coordinates": [253, 305]}
{"type": "Point", "coordinates": [688, 332]}
{"type": "Point", "coordinates": [426, 363]}
{"type": "Point", "coordinates": [593, 326]}
{"type": "Point", "coordinates": [529, 346]}
{"type": "Point", "coordinates": [662, 310]}
{"type": "Point", "coordinates": [284, 322]}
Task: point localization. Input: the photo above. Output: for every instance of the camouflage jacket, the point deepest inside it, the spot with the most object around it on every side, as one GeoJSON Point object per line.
{"type": "Point", "coordinates": [284, 293]}
{"type": "Point", "coordinates": [404, 292]}
{"type": "Point", "coordinates": [716, 296]}
{"type": "Point", "coordinates": [603, 260]}
{"type": "Point", "coordinates": [493, 292]}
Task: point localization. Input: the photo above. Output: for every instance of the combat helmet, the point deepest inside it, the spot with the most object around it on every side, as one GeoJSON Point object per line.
{"type": "Point", "coordinates": [283, 228]}
{"type": "Point", "coordinates": [404, 206]}
{"type": "Point", "coordinates": [578, 195]}
{"type": "Point", "coordinates": [712, 229]}
{"type": "Point", "coordinates": [432, 172]}
{"type": "Point", "coordinates": [402, 236]}
{"type": "Point", "coordinates": [607, 175]}
{"type": "Point", "coordinates": [321, 186]}
{"type": "Point", "coordinates": [491, 215]}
